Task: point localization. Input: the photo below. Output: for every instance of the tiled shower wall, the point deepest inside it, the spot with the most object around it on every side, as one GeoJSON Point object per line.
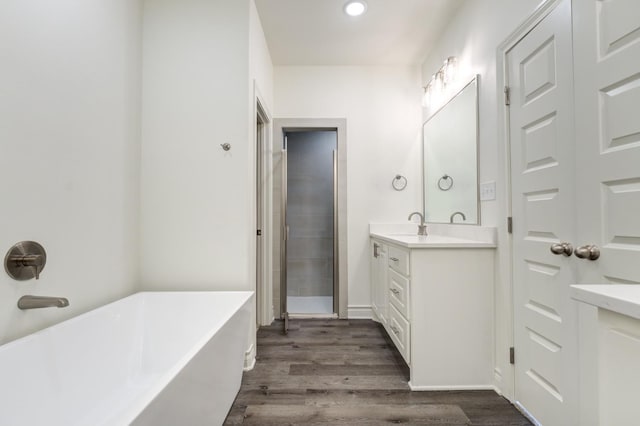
{"type": "Point", "coordinates": [310, 213]}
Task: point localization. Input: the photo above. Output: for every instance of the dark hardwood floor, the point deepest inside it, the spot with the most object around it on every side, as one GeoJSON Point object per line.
{"type": "Point", "coordinates": [349, 373]}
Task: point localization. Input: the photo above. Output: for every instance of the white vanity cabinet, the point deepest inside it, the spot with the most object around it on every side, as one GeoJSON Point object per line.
{"type": "Point", "coordinates": [439, 310]}
{"type": "Point", "coordinates": [617, 351]}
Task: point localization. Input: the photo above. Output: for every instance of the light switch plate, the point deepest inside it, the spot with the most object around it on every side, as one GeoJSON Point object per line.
{"type": "Point", "coordinates": [487, 191]}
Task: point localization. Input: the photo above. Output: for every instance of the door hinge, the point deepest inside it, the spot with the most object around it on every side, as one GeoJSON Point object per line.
{"type": "Point", "coordinates": [512, 355]}
{"type": "Point", "coordinates": [259, 232]}
{"type": "Point", "coordinates": [507, 95]}
{"type": "Point", "coordinates": [510, 225]}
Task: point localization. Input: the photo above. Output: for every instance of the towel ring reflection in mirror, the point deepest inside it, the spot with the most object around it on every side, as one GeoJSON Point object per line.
{"type": "Point", "coordinates": [399, 183]}
{"type": "Point", "coordinates": [445, 183]}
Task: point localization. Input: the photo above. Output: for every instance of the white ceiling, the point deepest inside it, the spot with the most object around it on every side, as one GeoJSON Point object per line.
{"type": "Point", "coordinates": [318, 32]}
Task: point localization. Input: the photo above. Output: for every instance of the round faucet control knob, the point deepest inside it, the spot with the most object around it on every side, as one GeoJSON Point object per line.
{"type": "Point", "coordinates": [25, 260]}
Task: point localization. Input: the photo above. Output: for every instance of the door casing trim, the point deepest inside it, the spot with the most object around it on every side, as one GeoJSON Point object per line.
{"type": "Point", "coordinates": [264, 286]}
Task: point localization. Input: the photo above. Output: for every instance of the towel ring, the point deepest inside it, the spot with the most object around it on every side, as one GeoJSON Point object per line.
{"type": "Point", "coordinates": [445, 183]}
{"type": "Point", "coordinates": [399, 183]}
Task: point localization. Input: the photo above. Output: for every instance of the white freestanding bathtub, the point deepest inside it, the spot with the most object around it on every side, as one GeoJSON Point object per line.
{"type": "Point", "coordinates": [154, 358]}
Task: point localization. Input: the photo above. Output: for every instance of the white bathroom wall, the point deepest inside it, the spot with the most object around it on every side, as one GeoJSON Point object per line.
{"type": "Point", "coordinates": [204, 63]}
{"type": "Point", "coordinates": [260, 90]}
{"type": "Point", "coordinates": [382, 109]}
{"type": "Point", "coordinates": [69, 151]}
{"type": "Point", "coordinates": [474, 36]}
{"type": "Point", "coordinates": [195, 211]}
{"type": "Point", "coordinates": [260, 64]}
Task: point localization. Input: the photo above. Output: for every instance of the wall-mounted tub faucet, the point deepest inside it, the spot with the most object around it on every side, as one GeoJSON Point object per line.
{"type": "Point", "coordinates": [36, 302]}
{"type": "Point", "coordinates": [422, 228]}
{"type": "Point", "coordinates": [25, 260]}
{"type": "Point", "coordinates": [454, 215]}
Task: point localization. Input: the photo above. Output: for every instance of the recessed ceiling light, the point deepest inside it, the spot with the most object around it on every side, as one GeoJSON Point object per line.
{"type": "Point", "coordinates": [355, 8]}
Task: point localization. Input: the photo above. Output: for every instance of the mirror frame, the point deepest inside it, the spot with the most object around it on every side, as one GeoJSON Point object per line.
{"type": "Point", "coordinates": [476, 80]}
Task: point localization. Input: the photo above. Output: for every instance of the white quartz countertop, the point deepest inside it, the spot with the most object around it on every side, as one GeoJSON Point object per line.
{"type": "Point", "coordinates": [431, 241]}
{"type": "Point", "coordinates": [440, 235]}
{"type": "Point", "coordinates": [620, 298]}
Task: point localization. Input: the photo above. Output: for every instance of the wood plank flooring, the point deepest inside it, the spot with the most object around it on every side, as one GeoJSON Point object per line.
{"type": "Point", "coordinates": [349, 373]}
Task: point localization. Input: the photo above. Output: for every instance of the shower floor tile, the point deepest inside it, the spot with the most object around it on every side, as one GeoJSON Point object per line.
{"type": "Point", "coordinates": [310, 305]}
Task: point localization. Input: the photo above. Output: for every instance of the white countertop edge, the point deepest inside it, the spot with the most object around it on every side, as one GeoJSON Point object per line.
{"type": "Point", "coordinates": [621, 298]}
{"type": "Point", "coordinates": [451, 243]}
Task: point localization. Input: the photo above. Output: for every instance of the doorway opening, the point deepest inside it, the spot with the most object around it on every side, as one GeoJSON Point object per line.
{"type": "Point", "coordinates": [310, 176]}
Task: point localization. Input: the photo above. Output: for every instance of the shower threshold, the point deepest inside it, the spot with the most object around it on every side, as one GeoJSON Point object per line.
{"type": "Point", "coordinates": [310, 307]}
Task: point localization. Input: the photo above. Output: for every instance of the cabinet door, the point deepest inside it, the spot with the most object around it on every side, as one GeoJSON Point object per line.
{"type": "Point", "coordinates": [400, 332]}
{"type": "Point", "coordinates": [399, 292]}
{"type": "Point", "coordinates": [399, 260]}
{"type": "Point", "coordinates": [379, 286]}
{"type": "Point", "coordinates": [383, 287]}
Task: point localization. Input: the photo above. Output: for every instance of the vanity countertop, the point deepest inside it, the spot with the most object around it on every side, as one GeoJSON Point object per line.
{"type": "Point", "coordinates": [621, 298]}
{"type": "Point", "coordinates": [440, 235]}
{"type": "Point", "coordinates": [415, 241]}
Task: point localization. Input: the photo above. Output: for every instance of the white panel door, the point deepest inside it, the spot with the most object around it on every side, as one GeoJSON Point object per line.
{"type": "Point", "coordinates": [607, 48]}
{"type": "Point", "coordinates": [543, 175]}
{"type": "Point", "coordinates": [607, 112]}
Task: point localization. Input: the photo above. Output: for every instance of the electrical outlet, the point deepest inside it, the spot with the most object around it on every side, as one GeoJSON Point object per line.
{"type": "Point", "coordinates": [487, 191]}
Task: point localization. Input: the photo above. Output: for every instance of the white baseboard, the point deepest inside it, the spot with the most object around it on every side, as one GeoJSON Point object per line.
{"type": "Point", "coordinates": [250, 358]}
{"type": "Point", "coordinates": [359, 312]}
{"type": "Point", "coordinates": [498, 380]}
{"type": "Point", "coordinates": [527, 414]}
{"type": "Point", "coordinates": [452, 388]}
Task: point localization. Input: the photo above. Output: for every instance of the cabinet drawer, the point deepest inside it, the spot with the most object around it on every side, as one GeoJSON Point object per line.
{"type": "Point", "coordinates": [398, 328]}
{"type": "Point", "coordinates": [399, 260]}
{"type": "Point", "coordinates": [399, 292]}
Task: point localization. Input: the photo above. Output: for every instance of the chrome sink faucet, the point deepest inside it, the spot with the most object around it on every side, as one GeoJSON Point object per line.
{"type": "Point", "coordinates": [35, 302]}
{"type": "Point", "coordinates": [454, 215]}
{"type": "Point", "coordinates": [422, 228]}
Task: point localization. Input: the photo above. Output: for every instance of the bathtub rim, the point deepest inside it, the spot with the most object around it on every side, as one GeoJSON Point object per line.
{"type": "Point", "coordinates": [98, 308]}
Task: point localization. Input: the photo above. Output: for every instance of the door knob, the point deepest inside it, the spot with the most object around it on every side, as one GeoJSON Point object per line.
{"type": "Point", "coordinates": [562, 248]}
{"type": "Point", "coordinates": [589, 251]}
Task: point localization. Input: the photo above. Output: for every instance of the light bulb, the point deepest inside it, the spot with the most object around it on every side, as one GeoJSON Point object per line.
{"type": "Point", "coordinates": [355, 8]}
{"type": "Point", "coordinates": [450, 70]}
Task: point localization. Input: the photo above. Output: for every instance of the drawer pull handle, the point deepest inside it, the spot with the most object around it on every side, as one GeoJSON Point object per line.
{"type": "Point", "coordinates": [395, 259]}
{"type": "Point", "coordinates": [394, 291]}
{"type": "Point", "coordinates": [395, 330]}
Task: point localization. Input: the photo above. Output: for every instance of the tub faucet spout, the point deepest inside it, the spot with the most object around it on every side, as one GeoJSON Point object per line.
{"type": "Point", "coordinates": [422, 228]}
{"type": "Point", "coordinates": [36, 302]}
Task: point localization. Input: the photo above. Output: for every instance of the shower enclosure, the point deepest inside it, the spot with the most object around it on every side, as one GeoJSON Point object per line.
{"type": "Point", "coordinates": [309, 208]}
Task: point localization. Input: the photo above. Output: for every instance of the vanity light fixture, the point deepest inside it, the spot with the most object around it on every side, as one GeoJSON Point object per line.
{"type": "Point", "coordinates": [440, 82]}
{"type": "Point", "coordinates": [355, 8]}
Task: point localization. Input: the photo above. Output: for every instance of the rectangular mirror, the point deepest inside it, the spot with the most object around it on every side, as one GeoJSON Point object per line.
{"type": "Point", "coordinates": [450, 160]}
